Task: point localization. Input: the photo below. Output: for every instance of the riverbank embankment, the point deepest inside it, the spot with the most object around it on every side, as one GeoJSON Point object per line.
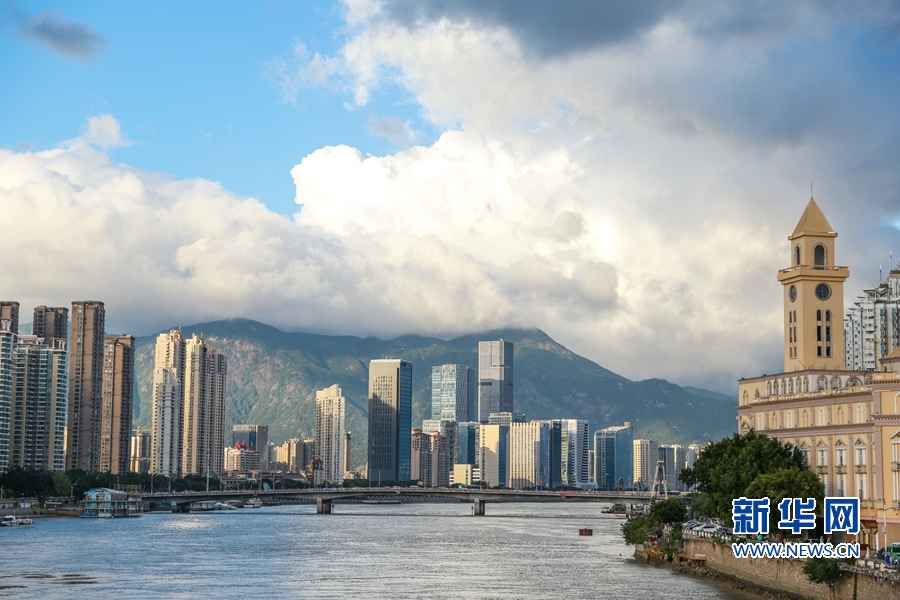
{"type": "Point", "coordinates": [776, 578]}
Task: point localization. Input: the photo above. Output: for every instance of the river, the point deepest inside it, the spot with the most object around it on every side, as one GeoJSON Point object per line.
{"type": "Point", "coordinates": [422, 550]}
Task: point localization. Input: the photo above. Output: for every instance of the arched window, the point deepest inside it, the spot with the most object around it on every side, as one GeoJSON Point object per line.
{"type": "Point", "coordinates": [746, 397]}
{"type": "Point", "coordinates": [805, 418]}
{"type": "Point", "coordinates": [835, 382]}
{"type": "Point", "coordinates": [789, 419]}
{"type": "Point", "coordinates": [773, 421]}
{"type": "Point", "coordinates": [797, 255]}
{"type": "Point", "coordinates": [823, 382]}
{"type": "Point", "coordinates": [819, 258]}
{"type": "Point", "coordinates": [790, 386]}
{"type": "Point", "coordinates": [859, 413]}
{"type": "Point", "coordinates": [840, 414]}
{"type": "Point", "coordinates": [897, 404]}
{"type": "Point", "coordinates": [828, 316]}
{"type": "Point", "coordinates": [818, 315]}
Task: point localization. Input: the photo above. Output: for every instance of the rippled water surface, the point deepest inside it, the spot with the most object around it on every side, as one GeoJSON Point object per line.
{"type": "Point", "coordinates": [519, 550]}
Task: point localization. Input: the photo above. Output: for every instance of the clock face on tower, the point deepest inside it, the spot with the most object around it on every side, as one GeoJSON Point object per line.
{"type": "Point", "coordinates": [792, 293]}
{"type": "Point", "coordinates": [823, 292]}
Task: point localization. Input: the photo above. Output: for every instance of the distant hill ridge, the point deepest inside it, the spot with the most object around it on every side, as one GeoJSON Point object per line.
{"type": "Point", "coordinates": [273, 377]}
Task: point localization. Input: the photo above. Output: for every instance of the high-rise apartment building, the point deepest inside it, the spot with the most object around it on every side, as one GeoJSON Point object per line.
{"type": "Point", "coordinates": [85, 385]}
{"type": "Point", "coordinates": [254, 437]}
{"type": "Point", "coordinates": [330, 412]}
{"type": "Point", "coordinates": [429, 458]}
{"type": "Point", "coordinates": [420, 456]}
{"type": "Point", "coordinates": [453, 393]}
{"type": "Point", "coordinates": [555, 473]}
{"type": "Point", "coordinates": [646, 455]}
{"type": "Point", "coordinates": [241, 459]}
{"type": "Point", "coordinates": [441, 460]}
{"type": "Point", "coordinates": [467, 436]}
{"type": "Point", "coordinates": [51, 323]}
{"type": "Point", "coordinates": [575, 444]}
{"type": "Point", "coordinates": [447, 428]}
{"type": "Point", "coordinates": [493, 454]}
{"type": "Point", "coordinates": [614, 457]}
{"type": "Point", "coordinates": [9, 311]}
{"type": "Point", "coordinates": [295, 454]}
{"type": "Point", "coordinates": [495, 378]}
{"type": "Point", "coordinates": [166, 430]}
{"type": "Point", "coordinates": [872, 325]}
{"type": "Point", "coordinates": [167, 425]}
{"type": "Point", "coordinates": [40, 397]}
{"type": "Point", "coordinates": [690, 457]}
{"type": "Point", "coordinates": [348, 439]}
{"type": "Point", "coordinates": [141, 443]}
{"type": "Point", "coordinates": [529, 455]}
{"type": "Point", "coordinates": [117, 401]}
{"type": "Point", "coordinates": [390, 419]}
{"type": "Point", "coordinates": [673, 458]}
{"type": "Point", "coordinates": [7, 342]}
{"type": "Point", "coordinates": [203, 437]}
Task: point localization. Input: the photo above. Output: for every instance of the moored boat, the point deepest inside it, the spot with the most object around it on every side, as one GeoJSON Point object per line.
{"type": "Point", "coordinates": [14, 521]}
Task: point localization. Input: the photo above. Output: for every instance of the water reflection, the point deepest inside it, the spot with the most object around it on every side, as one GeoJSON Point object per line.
{"type": "Point", "coordinates": [423, 550]}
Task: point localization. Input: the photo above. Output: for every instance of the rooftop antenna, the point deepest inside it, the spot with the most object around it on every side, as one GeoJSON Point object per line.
{"type": "Point", "coordinates": [810, 189]}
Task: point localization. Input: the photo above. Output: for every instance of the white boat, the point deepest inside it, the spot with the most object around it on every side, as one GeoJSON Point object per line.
{"type": "Point", "coordinates": [253, 503]}
{"type": "Point", "coordinates": [14, 521]}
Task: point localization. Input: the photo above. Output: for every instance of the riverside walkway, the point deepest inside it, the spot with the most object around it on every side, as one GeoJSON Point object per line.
{"type": "Point", "coordinates": [323, 497]}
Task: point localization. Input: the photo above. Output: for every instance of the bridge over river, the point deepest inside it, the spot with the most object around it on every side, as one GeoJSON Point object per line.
{"type": "Point", "coordinates": [323, 497]}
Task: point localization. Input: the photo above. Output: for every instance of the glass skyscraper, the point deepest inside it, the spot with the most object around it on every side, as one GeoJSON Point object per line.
{"type": "Point", "coordinates": [390, 419]}
{"type": "Point", "coordinates": [495, 378]}
{"type": "Point", "coordinates": [453, 393]}
{"type": "Point", "coordinates": [614, 457]}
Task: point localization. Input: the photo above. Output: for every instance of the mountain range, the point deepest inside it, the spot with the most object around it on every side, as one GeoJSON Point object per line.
{"type": "Point", "coordinates": [273, 377]}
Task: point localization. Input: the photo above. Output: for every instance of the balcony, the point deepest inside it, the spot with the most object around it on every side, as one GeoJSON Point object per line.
{"type": "Point", "coordinates": [841, 469]}
{"type": "Point", "coordinates": [822, 469]}
{"type": "Point", "coordinates": [861, 469]}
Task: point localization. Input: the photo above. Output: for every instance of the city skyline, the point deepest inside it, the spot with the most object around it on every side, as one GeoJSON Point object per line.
{"type": "Point", "coordinates": [340, 138]}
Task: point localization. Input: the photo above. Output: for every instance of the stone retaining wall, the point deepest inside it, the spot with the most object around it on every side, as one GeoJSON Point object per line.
{"type": "Point", "coordinates": [784, 575]}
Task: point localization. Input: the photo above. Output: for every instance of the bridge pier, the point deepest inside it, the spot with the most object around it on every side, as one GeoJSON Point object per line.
{"type": "Point", "coordinates": [478, 507]}
{"type": "Point", "coordinates": [323, 507]}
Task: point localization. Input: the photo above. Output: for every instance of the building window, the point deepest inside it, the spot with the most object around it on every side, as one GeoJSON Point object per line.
{"type": "Point", "coordinates": [860, 455]}
{"type": "Point", "coordinates": [823, 292]}
{"type": "Point", "coordinates": [797, 255]}
{"type": "Point", "coordinates": [819, 258]}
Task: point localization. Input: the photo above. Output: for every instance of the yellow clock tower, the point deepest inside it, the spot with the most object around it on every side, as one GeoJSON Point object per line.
{"type": "Point", "coordinates": [813, 297]}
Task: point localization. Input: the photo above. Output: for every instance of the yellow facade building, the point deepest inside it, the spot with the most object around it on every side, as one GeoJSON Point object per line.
{"type": "Point", "coordinates": [846, 423]}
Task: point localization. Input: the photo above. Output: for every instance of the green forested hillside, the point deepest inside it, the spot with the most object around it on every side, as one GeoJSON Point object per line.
{"type": "Point", "coordinates": [273, 377]}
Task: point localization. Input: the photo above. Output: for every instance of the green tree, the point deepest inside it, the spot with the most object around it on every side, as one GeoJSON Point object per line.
{"type": "Point", "coordinates": [637, 530]}
{"type": "Point", "coordinates": [61, 484]}
{"type": "Point", "coordinates": [825, 570]}
{"type": "Point", "coordinates": [791, 482]}
{"type": "Point", "coordinates": [725, 469]}
{"type": "Point", "coordinates": [28, 482]}
{"type": "Point", "coordinates": [671, 510]}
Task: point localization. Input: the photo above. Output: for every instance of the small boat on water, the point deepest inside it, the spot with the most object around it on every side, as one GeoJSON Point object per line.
{"type": "Point", "coordinates": [585, 531]}
{"type": "Point", "coordinates": [253, 503]}
{"type": "Point", "coordinates": [14, 521]}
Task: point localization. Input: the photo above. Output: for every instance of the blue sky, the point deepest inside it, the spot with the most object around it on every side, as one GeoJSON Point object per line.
{"type": "Point", "coordinates": [188, 83]}
{"type": "Point", "coordinates": [621, 175]}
